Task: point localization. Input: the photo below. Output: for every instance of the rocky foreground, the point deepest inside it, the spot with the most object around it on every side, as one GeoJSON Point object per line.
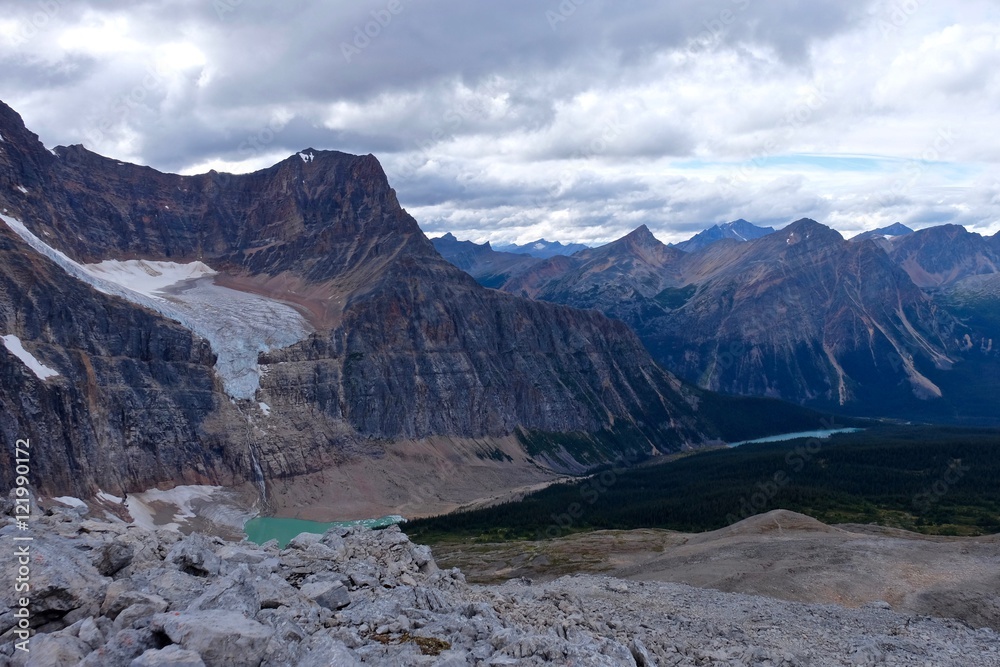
{"type": "Point", "coordinates": [109, 594]}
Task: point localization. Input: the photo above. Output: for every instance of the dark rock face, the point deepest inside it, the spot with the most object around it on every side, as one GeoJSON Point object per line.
{"type": "Point", "coordinates": [406, 345]}
{"type": "Point", "coordinates": [133, 389]}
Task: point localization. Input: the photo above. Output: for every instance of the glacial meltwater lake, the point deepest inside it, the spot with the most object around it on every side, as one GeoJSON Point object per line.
{"type": "Point", "coordinates": [795, 436]}
{"type": "Point", "coordinates": [263, 528]}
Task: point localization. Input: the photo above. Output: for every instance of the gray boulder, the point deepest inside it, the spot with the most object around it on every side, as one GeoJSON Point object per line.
{"type": "Point", "coordinates": [171, 656]}
{"type": "Point", "coordinates": [111, 557]}
{"type": "Point", "coordinates": [123, 647]}
{"type": "Point", "coordinates": [222, 638]}
{"type": "Point", "coordinates": [194, 555]}
{"type": "Point", "coordinates": [326, 651]}
{"type": "Point", "coordinates": [55, 649]}
{"type": "Point", "coordinates": [329, 594]}
{"type": "Point", "coordinates": [235, 592]}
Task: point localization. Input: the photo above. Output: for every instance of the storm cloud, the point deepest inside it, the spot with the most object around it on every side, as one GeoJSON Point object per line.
{"type": "Point", "coordinates": [575, 120]}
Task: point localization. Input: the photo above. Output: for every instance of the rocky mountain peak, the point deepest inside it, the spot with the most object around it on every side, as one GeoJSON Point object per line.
{"type": "Point", "coordinates": [23, 158]}
{"type": "Point", "coordinates": [945, 254]}
{"type": "Point", "coordinates": [893, 231]}
{"type": "Point", "coordinates": [13, 129]}
{"type": "Point", "coordinates": [738, 230]}
{"type": "Point", "coordinates": [896, 229]}
{"type": "Point", "coordinates": [806, 230]}
{"type": "Point", "coordinates": [640, 237]}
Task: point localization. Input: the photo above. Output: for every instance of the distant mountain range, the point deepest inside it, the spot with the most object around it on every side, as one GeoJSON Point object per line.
{"type": "Point", "coordinates": [739, 230]}
{"type": "Point", "coordinates": [542, 248]}
{"type": "Point", "coordinates": [803, 314]}
{"type": "Point", "coordinates": [492, 268]}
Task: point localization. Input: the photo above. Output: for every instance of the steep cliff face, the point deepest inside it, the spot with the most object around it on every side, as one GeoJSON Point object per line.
{"type": "Point", "coordinates": [406, 346]}
{"type": "Point", "coordinates": [128, 407]}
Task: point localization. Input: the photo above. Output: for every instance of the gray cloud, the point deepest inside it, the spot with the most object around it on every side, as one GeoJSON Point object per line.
{"type": "Point", "coordinates": [576, 120]}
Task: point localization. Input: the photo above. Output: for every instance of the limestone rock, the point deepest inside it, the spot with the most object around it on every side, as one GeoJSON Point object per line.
{"type": "Point", "coordinates": [220, 637]}
{"type": "Point", "coordinates": [171, 656]}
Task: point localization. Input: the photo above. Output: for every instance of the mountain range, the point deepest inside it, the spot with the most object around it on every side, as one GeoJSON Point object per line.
{"type": "Point", "coordinates": [293, 331]}
{"type": "Point", "coordinates": [542, 248]}
{"type": "Point", "coordinates": [861, 326]}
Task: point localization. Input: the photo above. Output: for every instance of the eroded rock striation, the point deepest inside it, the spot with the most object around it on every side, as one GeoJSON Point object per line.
{"type": "Point", "coordinates": [360, 597]}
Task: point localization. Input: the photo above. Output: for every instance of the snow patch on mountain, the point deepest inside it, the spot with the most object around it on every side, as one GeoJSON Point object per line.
{"type": "Point", "coordinates": [238, 325]}
{"type": "Point", "coordinates": [14, 346]}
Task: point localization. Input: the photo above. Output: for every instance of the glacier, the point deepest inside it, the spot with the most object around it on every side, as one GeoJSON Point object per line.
{"type": "Point", "coordinates": [238, 325]}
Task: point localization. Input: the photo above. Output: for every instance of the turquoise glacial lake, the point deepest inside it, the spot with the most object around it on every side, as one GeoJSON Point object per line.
{"type": "Point", "coordinates": [264, 529]}
{"type": "Point", "coordinates": [795, 436]}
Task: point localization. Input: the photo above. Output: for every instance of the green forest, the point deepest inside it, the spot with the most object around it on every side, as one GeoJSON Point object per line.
{"type": "Point", "coordinates": [935, 480]}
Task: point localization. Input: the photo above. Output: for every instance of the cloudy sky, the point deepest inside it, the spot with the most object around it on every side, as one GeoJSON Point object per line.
{"type": "Point", "coordinates": [575, 121]}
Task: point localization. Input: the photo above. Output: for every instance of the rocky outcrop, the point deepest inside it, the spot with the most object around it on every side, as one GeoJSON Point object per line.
{"type": "Point", "coordinates": [357, 597]}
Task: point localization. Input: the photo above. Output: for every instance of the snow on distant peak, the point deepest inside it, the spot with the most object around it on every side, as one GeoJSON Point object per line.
{"type": "Point", "coordinates": [22, 189]}
{"type": "Point", "coordinates": [307, 157]}
{"type": "Point", "coordinates": [14, 346]}
{"type": "Point", "coordinates": [265, 408]}
{"type": "Point", "coordinates": [1, 139]}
